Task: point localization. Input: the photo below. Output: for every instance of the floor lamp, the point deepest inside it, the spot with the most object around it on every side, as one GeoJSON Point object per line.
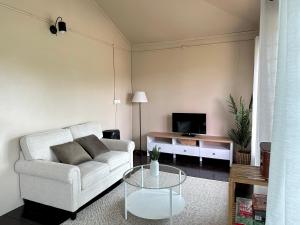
{"type": "Point", "coordinates": [140, 97]}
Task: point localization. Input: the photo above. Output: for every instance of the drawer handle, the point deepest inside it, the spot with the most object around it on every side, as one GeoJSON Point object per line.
{"type": "Point", "coordinates": [214, 153]}
{"type": "Point", "coordinates": [184, 150]}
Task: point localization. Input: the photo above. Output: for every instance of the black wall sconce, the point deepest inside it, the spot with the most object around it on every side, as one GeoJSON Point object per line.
{"type": "Point", "coordinates": [59, 26]}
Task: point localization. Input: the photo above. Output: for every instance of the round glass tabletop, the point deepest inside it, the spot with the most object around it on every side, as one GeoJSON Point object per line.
{"type": "Point", "coordinates": [140, 176]}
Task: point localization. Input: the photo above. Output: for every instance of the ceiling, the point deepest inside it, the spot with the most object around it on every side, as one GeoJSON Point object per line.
{"type": "Point", "coordinates": [144, 21]}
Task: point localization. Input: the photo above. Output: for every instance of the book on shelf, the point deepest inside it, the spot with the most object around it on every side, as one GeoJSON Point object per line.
{"type": "Point", "coordinates": [251, 211]}
{"type": "Point", "coordinates": [259, 207]}
{"type": "Point", "coordinates": [244, 211]}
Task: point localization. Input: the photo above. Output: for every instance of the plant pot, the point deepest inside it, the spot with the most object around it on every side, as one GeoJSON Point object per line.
{"type": "Point", "coordinates": [243, 158]}
{"type": "Point", "coordinates": [154, 168]}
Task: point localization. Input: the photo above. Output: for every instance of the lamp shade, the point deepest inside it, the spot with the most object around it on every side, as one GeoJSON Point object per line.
{"type": "Point", "coordinates": [139, 97]}
{"type": "Point", "coordinates": [62, 27]}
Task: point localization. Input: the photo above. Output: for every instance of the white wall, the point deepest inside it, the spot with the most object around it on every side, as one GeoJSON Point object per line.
{"type": "Point", "coordinates": [197, 77]}
{"type": "Point", "coordinates": [49, 81]}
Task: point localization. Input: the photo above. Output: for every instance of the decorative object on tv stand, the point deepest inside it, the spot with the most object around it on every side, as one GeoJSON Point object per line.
{"type": "Point", "coordinates": [154, 165]}
{"type": "Point", "coordinates": [140, 97]}
{"type": "Point", "coordinates": [241, 134]}
{"type": "Point", "coordinates": [59, 26]}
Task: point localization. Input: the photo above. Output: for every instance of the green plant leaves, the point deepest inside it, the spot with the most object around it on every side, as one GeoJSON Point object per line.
{"type": "Point", "coordinates": [241, 134]}
{"type": "Point", "coordinates": [232, 105]}
{"type": "Point", "coordinates": [155, 153]}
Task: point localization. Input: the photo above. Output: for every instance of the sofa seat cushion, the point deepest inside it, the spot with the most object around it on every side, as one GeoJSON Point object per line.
{"type": "Point", "coordinates": [113, 158]}
{"type": "Point", "coordinates": [91, 172]}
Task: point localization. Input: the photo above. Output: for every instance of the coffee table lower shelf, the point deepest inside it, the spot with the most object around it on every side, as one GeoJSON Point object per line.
{"type": "Point", "coordinates": [155, 204]}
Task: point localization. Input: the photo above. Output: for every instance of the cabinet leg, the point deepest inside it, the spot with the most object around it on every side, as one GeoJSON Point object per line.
{"type": "Point", "coordinates": [231, 154]}
{"type": "Point", "coordinates": [171, 206]}
{"type": "Point", "coordinates": [125, 202]}
{"type": "Point", "coordinates": [174, 158]}
{"type": "Point", "coordinates": [231, 202]}
{"type": "Point", "coordinates": [73, 215]}
{"type": "Point", "coordinates": [200, 159]}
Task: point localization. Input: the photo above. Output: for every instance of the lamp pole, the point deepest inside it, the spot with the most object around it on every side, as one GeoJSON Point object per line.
{"type": "Point", "coordinates": [140, 110]}
{"type": "Point", "coordinates": [140, 97]}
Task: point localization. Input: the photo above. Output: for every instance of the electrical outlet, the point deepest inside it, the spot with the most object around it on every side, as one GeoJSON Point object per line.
{"type": "Point", "coordinates": [117, 101]}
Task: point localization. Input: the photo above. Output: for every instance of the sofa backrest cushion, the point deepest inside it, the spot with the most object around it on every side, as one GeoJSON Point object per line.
{"type": "Point", "coordinates": [37, 146]}
{"type": "Point", "coordinates": [85, 129]}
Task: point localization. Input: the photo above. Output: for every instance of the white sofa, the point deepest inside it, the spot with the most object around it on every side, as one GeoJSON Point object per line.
{"type": "Point", "coordinates": [44, 180]}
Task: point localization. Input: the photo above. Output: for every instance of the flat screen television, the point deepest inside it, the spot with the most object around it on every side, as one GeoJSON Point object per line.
{"type": "Point", "coordinates": [189, 124]}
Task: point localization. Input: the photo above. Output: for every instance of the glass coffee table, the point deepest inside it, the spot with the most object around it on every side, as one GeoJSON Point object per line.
{"type": "Point", "coordinates": [154, 197]}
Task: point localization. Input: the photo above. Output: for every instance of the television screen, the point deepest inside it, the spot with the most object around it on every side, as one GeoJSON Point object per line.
{"type": "Point", "coordinates": [189, 123]}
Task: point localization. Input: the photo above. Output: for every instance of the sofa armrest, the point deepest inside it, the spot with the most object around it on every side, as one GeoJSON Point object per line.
{"type": "Point", "coordinates": [119, 145]}
{"type": "Point", "coordinates": [51, 170]}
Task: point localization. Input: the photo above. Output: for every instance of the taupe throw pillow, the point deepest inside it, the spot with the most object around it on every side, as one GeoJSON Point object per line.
{"type": "Point", "coordinates": [92, 145]}
{"type": "Point", "coordinates": [70, 153]}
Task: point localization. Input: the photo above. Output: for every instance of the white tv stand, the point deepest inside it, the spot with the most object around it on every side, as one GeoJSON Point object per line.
{"type": "Point", "coordinates": [202, 146]}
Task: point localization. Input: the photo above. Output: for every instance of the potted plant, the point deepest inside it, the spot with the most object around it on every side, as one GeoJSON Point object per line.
{"type": "Point", "coordinates": [241, 134]}
{"type": "Point", "coordinates": [154, 165]}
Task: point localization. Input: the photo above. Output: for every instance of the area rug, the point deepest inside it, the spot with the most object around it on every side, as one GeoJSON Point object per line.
{"type": "Point", "coordinates": [206, 204]}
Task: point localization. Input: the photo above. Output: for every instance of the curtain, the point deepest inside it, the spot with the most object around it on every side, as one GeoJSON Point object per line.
{"type": "Point", "coordinates": [284, 184]}
{"type": "Point", "coordinates": [264, 78]}
{"type": "Point", "coordinates": [254, 140]}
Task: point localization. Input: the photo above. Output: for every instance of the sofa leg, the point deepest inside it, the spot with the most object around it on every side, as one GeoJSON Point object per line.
{"type": "Point", "coordinates": [73, 215]}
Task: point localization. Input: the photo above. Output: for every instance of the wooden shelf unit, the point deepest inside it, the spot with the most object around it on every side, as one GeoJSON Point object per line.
{"type": "Point", "coordinates": [204, 146]}
{"type": "Point", "coordinates": [243, 174]}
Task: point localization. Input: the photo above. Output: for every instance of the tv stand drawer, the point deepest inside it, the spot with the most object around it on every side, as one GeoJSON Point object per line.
{"type": "Point", "coordinates": [166, 148]}
{"type": "Point", "coordinates": [186, 150]}
{"type": "Point", "coordinates": [215, 153]}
